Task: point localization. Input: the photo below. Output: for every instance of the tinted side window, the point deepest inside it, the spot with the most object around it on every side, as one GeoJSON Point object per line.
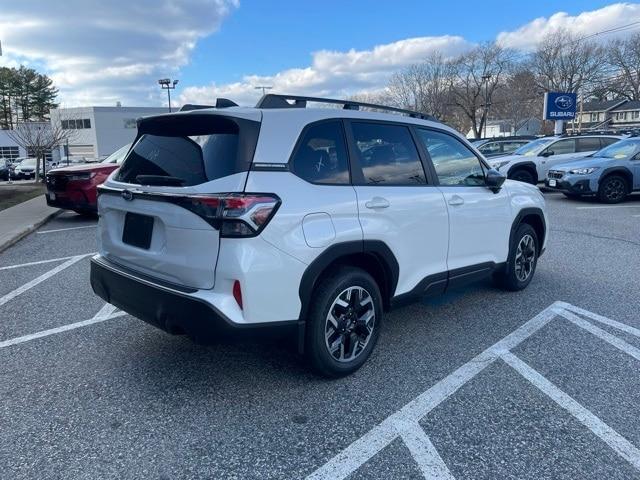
{"type": "Point", "coordinates": [606, 141]}
{"type": "Point", "coordinates": [321, 156]}
{"type": "Point", "coordinates": [590, 144]}
{"type": "Point", "coordinates": [563, 146]}
{"type": "Point", "coordinates": [387, 154]}
{"type": "Point", "coordinates": [454, 163]}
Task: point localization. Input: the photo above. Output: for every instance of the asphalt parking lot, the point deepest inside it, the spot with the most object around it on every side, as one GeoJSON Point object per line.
{"type": "Point", "coordinates": [479, 383]}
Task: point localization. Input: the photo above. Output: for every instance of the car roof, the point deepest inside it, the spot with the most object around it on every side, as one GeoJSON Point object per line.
{"type": "Point", "coordinates": [281, 127]}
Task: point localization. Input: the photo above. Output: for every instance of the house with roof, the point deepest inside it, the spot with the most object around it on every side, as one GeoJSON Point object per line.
{"type": "Point", "coordinates": [607, 115]}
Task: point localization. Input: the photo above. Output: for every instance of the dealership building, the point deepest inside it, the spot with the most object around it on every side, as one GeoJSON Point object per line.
{"type": "Point", "coordinates": [97, 131]}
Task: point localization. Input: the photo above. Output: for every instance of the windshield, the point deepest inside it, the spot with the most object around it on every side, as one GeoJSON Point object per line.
{"type": "Point", "coordinates": [532, 148]}
{"type": "Point", "coordinates": [27, 162]}
{"type": "Point", "coordinates": [622, 149]}
{"type": "Point", "coordinates": [118, 155]}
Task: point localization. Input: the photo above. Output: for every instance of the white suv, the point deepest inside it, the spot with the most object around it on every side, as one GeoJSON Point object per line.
{"type": "Point", "coordinates": [316, 218]}
{"type": "Point", "coordinates": [531, 162]}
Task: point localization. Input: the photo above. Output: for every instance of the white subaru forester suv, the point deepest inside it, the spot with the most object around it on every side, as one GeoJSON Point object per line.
{"type": "Point", "coordinates": [316, 218]}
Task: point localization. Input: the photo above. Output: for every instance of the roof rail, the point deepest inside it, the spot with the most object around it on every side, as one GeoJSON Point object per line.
{"type": "Point", "coordinates": [272, 100]}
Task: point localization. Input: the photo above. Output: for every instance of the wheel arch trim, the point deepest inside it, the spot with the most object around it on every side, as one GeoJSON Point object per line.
{"type": "Point", "coordinates": [377, 249]}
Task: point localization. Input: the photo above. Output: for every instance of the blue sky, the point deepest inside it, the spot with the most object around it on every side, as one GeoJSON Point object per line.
{"type": "Point", "coordinates": [265, 37]}
{"type": "Point", "coordinates": [102, 52]}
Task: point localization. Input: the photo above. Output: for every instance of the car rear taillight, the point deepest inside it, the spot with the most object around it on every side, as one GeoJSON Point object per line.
{"type": "Point", "coordinates": [234, 214]}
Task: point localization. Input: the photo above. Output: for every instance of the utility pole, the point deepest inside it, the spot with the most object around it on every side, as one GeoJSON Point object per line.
{"type": "Point", "coordinates": [264, 88]}
{"type": "Point", "coordinates": [168, 85]}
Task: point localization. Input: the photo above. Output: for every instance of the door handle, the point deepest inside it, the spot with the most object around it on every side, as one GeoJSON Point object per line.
{"type": "Point", "coordinates": [377, 202]}
{"type": "Point", "coordinates": [456, 200]}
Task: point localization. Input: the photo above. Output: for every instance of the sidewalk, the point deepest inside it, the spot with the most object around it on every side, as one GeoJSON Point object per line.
{"type": "Point", "coordinates": [22, 219]}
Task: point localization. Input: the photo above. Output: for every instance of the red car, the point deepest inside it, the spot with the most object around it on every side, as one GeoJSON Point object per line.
{"type": "Point", "coordinates": [75, 187]}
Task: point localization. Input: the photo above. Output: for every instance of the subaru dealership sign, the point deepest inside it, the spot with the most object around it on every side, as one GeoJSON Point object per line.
{"type": "Point", "coordinates": [559, 106]}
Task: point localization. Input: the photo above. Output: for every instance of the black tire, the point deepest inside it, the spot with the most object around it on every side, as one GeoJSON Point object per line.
{"type": "Point", "coordinates": [511, 277]}
{"type": "Point", "coordinates": [613, 189]}
{"type": "Point", "coordinates": [523, 175]}
{"type": "Point", "coordinates": [572, 196]}
{"type": "Point", "coordinates": [349, 322]}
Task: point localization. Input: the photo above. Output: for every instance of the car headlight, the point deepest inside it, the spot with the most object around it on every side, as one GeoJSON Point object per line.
{"type": "Point", "coordinates": [499, 165]}
{"type": "Point", "coordinates": [583, 171]}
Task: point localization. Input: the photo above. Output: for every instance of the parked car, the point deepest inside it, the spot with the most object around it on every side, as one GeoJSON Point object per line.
{"type": "Point", "coordinates": [74, 187]}
{"type": "Point", "coordinates": [318, 219]}
{"type": "Point", "coordinates": [610, 174]}
{"type": "Point", "coordinates": [68, 161]}
{"type": "Point", "coordinates": [4, 169]}
{"type": "Point", "coordinates": [497, 147]}
{"type": "Point", "coordinates": [26, 169]}
{"type": "Point", "coordinates": [531, 162]}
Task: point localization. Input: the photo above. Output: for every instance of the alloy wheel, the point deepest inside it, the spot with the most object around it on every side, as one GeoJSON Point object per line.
{"type": "Point", "coordinates": [525, 258]}
{"type": "Point", "coordinates": [614, 189]}
{"type": "Point", "coordinates": [349, 324]}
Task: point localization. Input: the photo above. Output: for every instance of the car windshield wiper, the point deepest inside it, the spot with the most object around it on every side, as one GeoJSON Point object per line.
{"type": "Point", "coordinates": [165, 180]}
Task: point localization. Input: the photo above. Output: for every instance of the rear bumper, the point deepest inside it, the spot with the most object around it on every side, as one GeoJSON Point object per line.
{"type": "Point", "coordinates": [170, 308]}
{"type": "Point", "coordinates": [70, 204]}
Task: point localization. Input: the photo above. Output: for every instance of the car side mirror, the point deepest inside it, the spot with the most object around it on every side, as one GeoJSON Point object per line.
{"type": "Point", "coordinates": [547, 153]}
{"type": "Point", "coordinates": [494, 180]}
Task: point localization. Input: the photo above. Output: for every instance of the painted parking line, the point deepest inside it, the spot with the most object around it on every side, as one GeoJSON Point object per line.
{"type": "Point", "coordinates": [98, 318]}
{"type": "Point", "coordinates": [372, 442]}
{"type": "Point", "coordinates": [403, 423]}
{"type": "Point", "coordinates": [40, 262]}
{"type": "Point", "coordinates": [36, 281]}
{"type": "Point", "coordinates": [617, 442]}
{"type": "Point", "coordinates": [65, 229]}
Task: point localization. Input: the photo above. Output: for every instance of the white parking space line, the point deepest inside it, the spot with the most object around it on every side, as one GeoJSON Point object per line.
{"type": "Point", "coordinates": [604, 335]}
{"type": "Point", "coordinates": [65, 229]}
{"type": "Point", "coordinates": [600, 318]}
{"type": "Point", "coordinates": [105, 311]}
{"type": "Point", "coordinates": [423, 451]}
{"type": "Point", "coordinates": [607, 434]}
{"type": "Point", "coordinates": [29, 285]}
{"type": "Point", "coordinates": [64, 328]}
{"type": "Point", "coordinates": [363, 449]}
{"type": "Point", "coordinates": [599, 207]}
{"type": "Point", "coordinates": [40, 262]}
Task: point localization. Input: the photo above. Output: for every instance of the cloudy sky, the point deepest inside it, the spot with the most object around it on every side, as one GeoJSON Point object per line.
{"type": "Point", "coordinates": [101, 52]}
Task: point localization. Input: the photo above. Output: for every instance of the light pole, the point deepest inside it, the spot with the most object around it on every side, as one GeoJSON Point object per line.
{"type": "Point", "coordinates": [168, 85]}
{"type": "Point", "coordinates": [264, 88]}
{"type": "Point", "coordinates": [485, 79]}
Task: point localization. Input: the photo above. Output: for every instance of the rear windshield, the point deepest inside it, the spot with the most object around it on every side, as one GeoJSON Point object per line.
{"type": "Point", "coordinates": [189, 150]}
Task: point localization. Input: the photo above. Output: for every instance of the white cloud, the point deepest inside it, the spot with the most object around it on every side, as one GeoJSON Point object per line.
{"type": "Point", "coordinates": [333, 73]}
{"type": "Point", "coordinates": [103, 52]}
{"type": "Point", "coordinates": [586, 23]}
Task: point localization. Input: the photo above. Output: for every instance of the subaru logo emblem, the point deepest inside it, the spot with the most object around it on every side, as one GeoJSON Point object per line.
{"type": "Point", "coordinates": [564, 102]}
{"type": "Point", "coordinates": [127, 195]}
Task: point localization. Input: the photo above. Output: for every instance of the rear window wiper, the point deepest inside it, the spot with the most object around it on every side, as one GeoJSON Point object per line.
{"type": "Point", "coordinates": [165, 180]}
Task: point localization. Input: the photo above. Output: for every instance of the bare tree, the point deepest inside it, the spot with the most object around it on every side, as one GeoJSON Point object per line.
{"type": "Point", "coordinates": [39, 138]}
{"type": "Point", "coordinates": [624, 57]}
{"type": "Point", "coordinates": [519, 98]}
{"type": "Point", "coordinates": [564, 63]}
{"type": "Point", "coordinates": [423, 87]}
{"type": "Point", "coordinates": [474, 78]}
